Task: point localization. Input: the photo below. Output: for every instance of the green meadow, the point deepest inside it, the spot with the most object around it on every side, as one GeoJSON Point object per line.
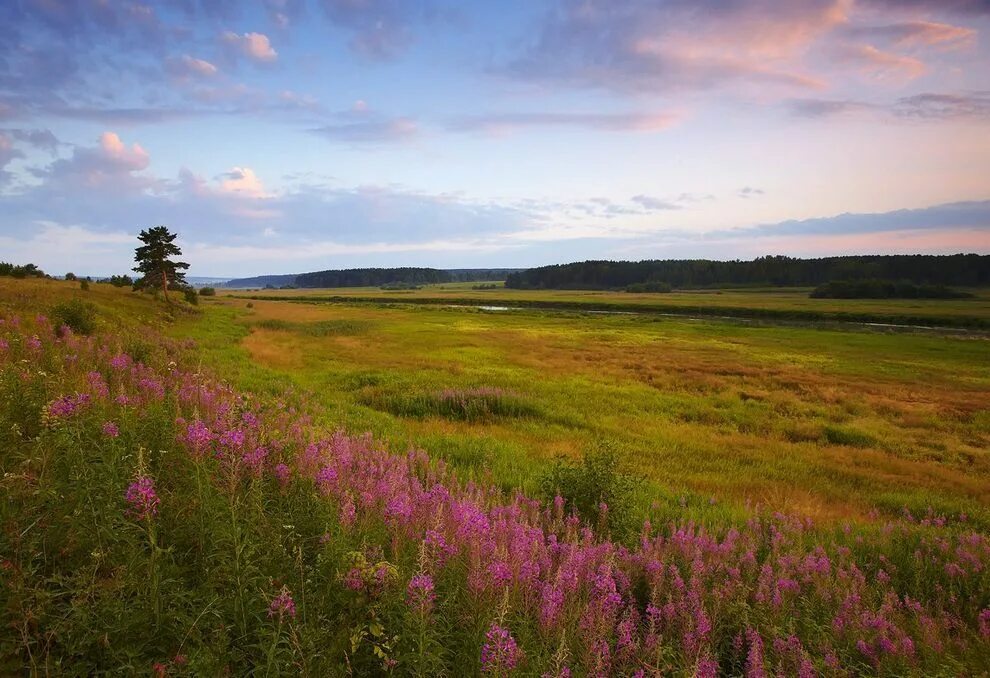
{"type": "Point", "coordinates": [719, 417]}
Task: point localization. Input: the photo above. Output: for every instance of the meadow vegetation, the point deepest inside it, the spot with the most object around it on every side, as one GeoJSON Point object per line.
{"type": "Point", "coordinates": [792, 304]}
{"type": "Point", "coordinates": [357, 489]}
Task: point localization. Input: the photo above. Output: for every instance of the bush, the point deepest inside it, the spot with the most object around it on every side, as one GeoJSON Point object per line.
{"type": "Point", "coordinates": [84, 285]}
{"type": "Point", "coordinates": [25, 271]}
{"type": "Point", "coordinates": [76, 314]}
{"type": "Point", "coordinates": [70, 276]}
{"type": "Point", "coordinates": [207, 292]}
{"type": "Point", "coordinates": [191, 296]}
{"type": "Point", "coordinates": [121, 280]}
{"type": "Point", "coordinates": [595, 488]}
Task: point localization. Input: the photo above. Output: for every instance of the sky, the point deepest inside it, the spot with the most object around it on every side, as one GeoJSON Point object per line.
{"type": "Point", "coordinates": [285, 136]}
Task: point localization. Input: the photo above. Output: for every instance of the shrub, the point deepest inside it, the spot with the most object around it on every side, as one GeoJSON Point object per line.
{"type": "Point", "coordinates": [25, 271]}
{"type": "Point", "coordinates": [470, 404]}
{"type": "Point", "coordinates": [76, 314]}
{"type": "Point", "coordinates": [84, 285]}
{"type": "Point", "coordinates": [207, 292]}
{"type": "Point", "coordinates": [121, 280]}
{"type": "Point", "coordinates": [595, 488]}
{"type": "Point", "coordinates": [70, 276]}
{"type": "Point", "coordinates": [190, 294]}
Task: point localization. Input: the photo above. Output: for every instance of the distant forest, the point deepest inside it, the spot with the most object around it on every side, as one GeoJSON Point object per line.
{"type": "Point", "coordinates": [374, 277]}
{"type": "Point", "coordinates": [957, 269]}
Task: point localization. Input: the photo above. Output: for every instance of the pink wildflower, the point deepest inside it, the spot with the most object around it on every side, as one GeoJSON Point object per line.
{"type": "Point", "coordinates": [420, 593]}
{"type": "Point", "coordinates": [500, 653]}
{"type": "Point", "coordinates": [282, 605]}
{"type": "Point", "coordinates": [142, 499]}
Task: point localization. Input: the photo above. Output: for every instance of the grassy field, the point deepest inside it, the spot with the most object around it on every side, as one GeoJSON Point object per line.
{"type": "Point", "coordinates": [828, 423]}
{"type": "Point", "coordinates": [783, 303]}
{"type": "Point", "coordinates": [177, 497]}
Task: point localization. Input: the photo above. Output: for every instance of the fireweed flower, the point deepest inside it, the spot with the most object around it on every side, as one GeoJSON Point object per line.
{"type": "Point", "coordinates": [282, 474]}
{"type": "Point", "coordinates": [120, 362]}
{"type": "Point", "coordinates": [420, 593]}
{"type": "Point", "coordinates": [67, 406]}
{"type": "Point", "coordinates": [282, 605]}
{"type": "Point", "coordinates": [500, 653]}
{"type": "Point", "coordinates": [110, 429]}
{"type": "Point", "coordinates": [142, 500]}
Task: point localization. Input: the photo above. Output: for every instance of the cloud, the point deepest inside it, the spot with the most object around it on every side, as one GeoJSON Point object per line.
{"type": "Point", "coordinates": [242, 181]}
{"type": "Point", "coordinates": [609, 122]}
{"type": "Point", "coordinates": [974, 105]}
{"type": "Point", "coordinates": [642, 45]}
{"type": "Point", "coordinates": [650, 203]}
{"type": "Point", "coordinates": [958, 215]}
{"type": "Point", "coordinates": [361, 125]}
{"type": "Point", "coordinates": [925, 106]}
{"type": "Point", "coordinates": [917, 34]}
{"type": "Point", "coordinates": [877, 64]}
{"type": "Point", "coordinates": [380, 29]}
{"type": "Point", "coordinates": [254, 46]}
{"type": "Point", "coordinates": [7, 155]}
{"type": "Point", "coordinates": [110, 165]}
{"type": "Point", "coordinates": [750, 192]}
{"type": "Point", "coordinates": [953, 6]}
{"type": "Point", "coordinates": [187, 67]}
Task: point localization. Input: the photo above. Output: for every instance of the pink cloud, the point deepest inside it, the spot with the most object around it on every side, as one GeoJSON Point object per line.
{"type": "Point", "coordinates": [242, 181]}
{"type": "Point", "coordinates": [877, 64]}
{"type": "Point", "coordinates": [116, 152]}
{"type": "Point", "coordinates": [255, 46]}
{"type": "Point", "coordinates": [186, 67]}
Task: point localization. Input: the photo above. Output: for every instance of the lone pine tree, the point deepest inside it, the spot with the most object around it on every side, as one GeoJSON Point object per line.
{"type": "Point", "coordinates": [153, 260]}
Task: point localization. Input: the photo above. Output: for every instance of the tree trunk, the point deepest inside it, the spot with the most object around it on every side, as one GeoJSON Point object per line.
{"type": "Point", "coordinates": [165, 284]}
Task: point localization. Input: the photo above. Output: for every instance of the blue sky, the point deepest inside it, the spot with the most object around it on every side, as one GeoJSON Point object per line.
{"type": "Point", "coordinates": [293, 135]}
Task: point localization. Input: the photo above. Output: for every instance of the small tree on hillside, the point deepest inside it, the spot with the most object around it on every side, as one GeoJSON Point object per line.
{"type": "Point", "coordinates": [154, 263]}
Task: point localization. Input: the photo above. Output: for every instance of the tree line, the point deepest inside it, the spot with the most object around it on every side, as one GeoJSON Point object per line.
{"type": "Point", "coordinates": [373, 277]}
{"type": "Point", "coordinates": [970, 270]}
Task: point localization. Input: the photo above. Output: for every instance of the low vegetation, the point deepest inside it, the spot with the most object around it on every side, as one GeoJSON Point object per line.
{"type": "Point", "coordinates": [158, 520]}
{"type": "Point", "coordinates": [540, 494]}
{"type": "Point", "coordinates": [884, 289]}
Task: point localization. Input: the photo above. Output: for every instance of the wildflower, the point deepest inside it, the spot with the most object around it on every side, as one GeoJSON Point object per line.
{"type": "Point", "coordinates": [254, 460]}
{"type": "Point", "coordinates": [232, 439]}
{"type": "Point", "coordinates": [197, 436]}
{"type": "Point", "coordinates": [282, 605]}
{"type": "Point", "coordinates": [110, 429]}
{"type": "Point", "coordinates": [67, 406]}
{"type": "Point", "coordinates": [34, 343]}
{"type": "Point", "coordinates": [707, 668]}
{"type": "Point", "coordinates": [754, 659]}
{"type": "Point", "coordinates": [500, 653]}
{"type": "Point", "coordinates": [282, 474]}
{"type": "Point", "coordinates": [120, 362]}
{"type": "Point", "coordinates": [420, 593]}
{"type": "Point", "coordinates": [142, 499]}
{"type": "Point", "coordinates": [984, 621]}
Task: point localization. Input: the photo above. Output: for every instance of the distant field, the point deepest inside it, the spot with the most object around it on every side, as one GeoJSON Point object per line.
{"type": "Point", "coordinates": [784, 303]}
{"type": "Point", "coordinates": [823, 422]}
